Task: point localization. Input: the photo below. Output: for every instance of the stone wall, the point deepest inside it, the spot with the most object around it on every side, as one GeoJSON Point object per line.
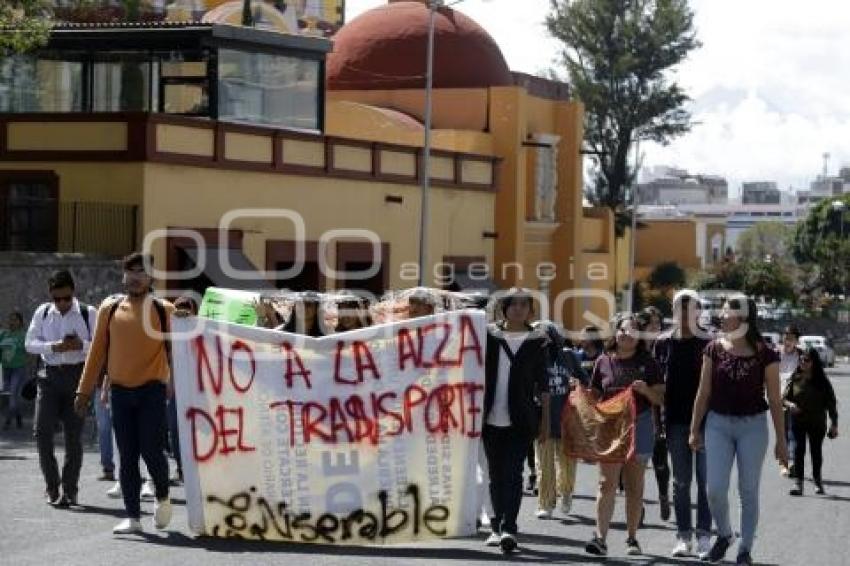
{"type": "Point", "coordinates": [23, 279]}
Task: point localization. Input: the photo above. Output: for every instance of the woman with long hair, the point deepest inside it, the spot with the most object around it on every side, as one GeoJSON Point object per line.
{"type": "Point", "coordinates": [627, 363]}
{"type": "Point", "coordinates": [737, 369]}
{"type": "Point", "coordinates": [809, 397]}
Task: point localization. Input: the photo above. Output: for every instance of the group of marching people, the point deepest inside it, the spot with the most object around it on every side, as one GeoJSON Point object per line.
{"type": "Point", "coordinates": [701, 396]}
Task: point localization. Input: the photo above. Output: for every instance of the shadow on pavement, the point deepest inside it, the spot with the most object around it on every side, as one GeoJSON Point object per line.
{"type": "Point", "coordinates": [119, 513]}
{"type": "Point", "coordinates": [836, 483]}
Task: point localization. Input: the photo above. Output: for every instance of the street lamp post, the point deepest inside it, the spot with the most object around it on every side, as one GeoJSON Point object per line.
{"type": "Point", "coordinates": [839, 206]}
{"type": "Point", "coordinates": [425, 169]}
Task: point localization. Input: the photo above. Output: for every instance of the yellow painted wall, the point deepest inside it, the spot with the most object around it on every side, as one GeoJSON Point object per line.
{"type": "Point", "coordinates": [297, 152]}
{"type": "Point", "coordinates": [67, 136]}
{"type": "Point", "coordinates": [360, 121]}
{"type": "Point", "coordinates": [245, 147]}
{"type": "Point", "coordinates": [452, 108]}
{"type": "Point", "coordinates": [667, 240]}
{"type": "Point", "coordinates": [186, 140]}
{"type": "Point", "coordinates": [196, 197]}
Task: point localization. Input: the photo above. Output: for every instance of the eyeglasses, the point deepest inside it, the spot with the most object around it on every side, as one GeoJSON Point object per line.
{"type": "Point", "coordinates": [63, 299]}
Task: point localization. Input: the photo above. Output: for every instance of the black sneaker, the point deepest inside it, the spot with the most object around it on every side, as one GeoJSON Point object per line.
{"type": "Point", "coordinates": [52, 497]}
{"type": "Point", "coordinates": [797, 490]}
{"type": "Point", "coordinates": [744, 558]}
{"type": "Point", "coordinates": [532, 482]}
{"type": "Point", "coordinates": [107, 475]}
{"type": "Point", "coordinates": [65, 501]}
{"type": "Point", "coordinates": [664, 503]}
{"type": "Point", "coordinates": [632, 547]}
{"type": "Point", "coordinates": [596, 546]}
{"type": "Point", "coordinates": [507, 542]}
{"type": "Point", "coordinates": [718, 551]}
{"type": "Point", "coordinates": [819, 488]}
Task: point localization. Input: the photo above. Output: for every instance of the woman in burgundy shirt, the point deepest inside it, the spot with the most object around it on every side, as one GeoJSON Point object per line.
{"type": "Point", "coordinates": [627, 363]}
{"type": "Point", "coordinates": [737, 369]}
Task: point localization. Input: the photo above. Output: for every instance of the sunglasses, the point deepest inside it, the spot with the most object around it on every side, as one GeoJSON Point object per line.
{"type": "Point", "coordinates": [63, 299]}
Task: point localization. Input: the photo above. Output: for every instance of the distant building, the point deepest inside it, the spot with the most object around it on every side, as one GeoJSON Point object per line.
{"type": "Point", "coordinates": [760, 192]}
{"type": "Point", "coordinates": [670, 186]}
{"type": "Point", "coordinates": [826, 187]}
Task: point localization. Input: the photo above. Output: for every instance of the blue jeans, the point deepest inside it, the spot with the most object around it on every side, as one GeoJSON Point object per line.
{"type": "Point", "coordinates": [103, 414]}
{"type": "Point", "coordinates": [14, 378]}
{"type": "Point", "coordinates": [682, 459]}
{"type": "Point", "coordinates": [743, 439]}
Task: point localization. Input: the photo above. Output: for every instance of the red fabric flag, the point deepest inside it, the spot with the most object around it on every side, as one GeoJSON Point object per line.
{"type": "Point", "coordinates": [599, 432]}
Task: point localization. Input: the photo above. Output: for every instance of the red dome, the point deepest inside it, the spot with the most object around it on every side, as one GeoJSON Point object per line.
{"type": "Point", "coordinates": [386, 49]}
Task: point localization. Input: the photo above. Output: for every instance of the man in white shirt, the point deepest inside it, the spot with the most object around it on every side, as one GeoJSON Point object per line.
{"type": "Point", "coordinates": [60, 332]}
{"type": "Point", "coordinates": [789, 359]}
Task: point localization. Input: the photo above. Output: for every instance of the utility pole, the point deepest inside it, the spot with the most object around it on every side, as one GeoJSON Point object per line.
{"type": "Point", "coordinates": [425, 169]}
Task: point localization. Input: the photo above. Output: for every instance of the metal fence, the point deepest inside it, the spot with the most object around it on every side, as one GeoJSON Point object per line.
{"type": "Point", "coordinates": [97, 227]}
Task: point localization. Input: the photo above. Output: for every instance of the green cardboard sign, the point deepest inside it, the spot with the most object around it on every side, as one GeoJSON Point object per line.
{"type": "Point", "coordinates": [229, 305]}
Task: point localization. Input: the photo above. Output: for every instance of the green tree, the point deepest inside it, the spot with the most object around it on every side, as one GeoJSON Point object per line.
{"type": "Point", "coordinates": [727, 275]}
{"type": "Point", "coordinates": [618, 55]}
{"type": "Point", "coordinates": [766, 239]}
{"type": "Point", "coordinates": [768, 279]}
{"type": "Point", "coordinates": [25, 25]}
{"type": "Point", "coordinates": [822, 240]}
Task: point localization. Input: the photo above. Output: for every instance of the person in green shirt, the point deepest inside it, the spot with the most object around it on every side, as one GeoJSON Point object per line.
{"type": "Point", "coordinates": [13, 356]}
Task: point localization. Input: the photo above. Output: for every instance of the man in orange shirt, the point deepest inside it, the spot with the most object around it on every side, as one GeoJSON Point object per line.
{"type": "Point", "coordinates": [130, 345]}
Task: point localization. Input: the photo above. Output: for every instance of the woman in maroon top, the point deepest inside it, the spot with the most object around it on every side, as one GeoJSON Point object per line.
{"type": "Point", "coordinates": [627, 363]}
{"type": "Point", "coordinates": [737, 369]}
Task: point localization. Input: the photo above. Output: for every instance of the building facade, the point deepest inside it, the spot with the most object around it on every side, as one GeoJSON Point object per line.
{"type": "Point", "coordinates": [260, 148]}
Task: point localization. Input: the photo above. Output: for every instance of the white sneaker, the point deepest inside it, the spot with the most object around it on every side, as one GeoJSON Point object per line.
{"type": "Point", "coordinates": [162, 513]}
{"type": "Point", "coordinates": [485, 521]}
{"type": "Point", "coordinates": [127, 527]}
{"type": "Point", "coordinates": [682, 548]}
{"type": "Point", "coordinates": [493, 539]}
{"type": "Point", "coordinates": [115, 491]}
{"type": "Point", "coordinates": [148, 490]}
{"type": "Point", "coordinates": [543, 514]}
{"type": "Point", "coordinates": [566, 503]}
{"type": "Point", "coordinates": [703, 546]}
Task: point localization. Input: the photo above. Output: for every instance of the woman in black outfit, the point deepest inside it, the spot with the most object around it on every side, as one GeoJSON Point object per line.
{"type": "Point", "coordinates": [515, 376]}
{"type": "Point", "coordinates": [810, 397]}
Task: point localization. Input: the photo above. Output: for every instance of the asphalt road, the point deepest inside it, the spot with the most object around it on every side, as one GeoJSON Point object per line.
{"type": "Point", "coordinates": [793, 531]}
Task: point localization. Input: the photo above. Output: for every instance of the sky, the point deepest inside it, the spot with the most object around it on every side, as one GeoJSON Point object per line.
{"type": "Point", "coordinates": [769, 87]}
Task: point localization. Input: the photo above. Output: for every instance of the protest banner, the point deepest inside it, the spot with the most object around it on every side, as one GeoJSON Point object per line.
{"type": "Point", "coordinates": [364, 437]}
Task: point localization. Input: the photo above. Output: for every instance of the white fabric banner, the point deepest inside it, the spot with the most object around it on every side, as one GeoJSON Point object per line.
{"type": "Point", "coordinates": [363, 437]}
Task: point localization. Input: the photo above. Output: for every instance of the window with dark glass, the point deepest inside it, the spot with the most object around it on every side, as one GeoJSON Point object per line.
{"type": "Point", "coordinates": [268, 89]}
{"type": "Point", "coordinates": [28, 210]}
{"type": "Point", "coordinates": [122, 83]}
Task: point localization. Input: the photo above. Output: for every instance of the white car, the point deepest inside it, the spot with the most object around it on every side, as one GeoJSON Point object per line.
{"type": "Point", "coordinates": [819, 343]}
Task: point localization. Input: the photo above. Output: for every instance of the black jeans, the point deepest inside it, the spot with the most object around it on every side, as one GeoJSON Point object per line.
{"type": "Point", "coordinates": [506, 449]}
{"type": "Point", "coordinates": [55, 402]}
{"type": "Point", "coordinates": [138, 416]}
{"type": "Point", "coordinates": [815, 434]}
{"type": "Point", "coordinates": [661, 466]}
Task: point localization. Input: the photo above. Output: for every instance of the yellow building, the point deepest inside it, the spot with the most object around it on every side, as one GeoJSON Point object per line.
{"type": "Point", "coordinates": [693, 243]}
{"type": "Point", "coordinates": [261, 147]}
